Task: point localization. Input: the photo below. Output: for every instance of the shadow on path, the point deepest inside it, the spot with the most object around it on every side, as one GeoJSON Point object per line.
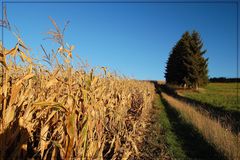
{"type": "Point", "coordinates": [192, 142]}
{"type": "Point", "coordinates": [226, 117]}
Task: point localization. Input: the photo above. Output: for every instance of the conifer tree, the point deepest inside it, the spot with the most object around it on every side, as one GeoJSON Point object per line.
{"type": "Point", "coordinates": [200, 66]}
{"type": "Point", "coordinates": [186, 65]}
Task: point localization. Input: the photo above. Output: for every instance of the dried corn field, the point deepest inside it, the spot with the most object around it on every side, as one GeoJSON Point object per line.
{"type": "Point", "coordinates": [64, 113]}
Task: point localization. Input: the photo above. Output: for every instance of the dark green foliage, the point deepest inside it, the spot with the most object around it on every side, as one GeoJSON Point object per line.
{"type": "Point", "coordinates": [224, 79]}
{"type": "Point", "coordinates": [186, 65]}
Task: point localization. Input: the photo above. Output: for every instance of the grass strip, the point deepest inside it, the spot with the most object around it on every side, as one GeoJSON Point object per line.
{"type": "Point", "coordinates": [221, 138]}
{"type": "Point", "coordinates": [174, 145]}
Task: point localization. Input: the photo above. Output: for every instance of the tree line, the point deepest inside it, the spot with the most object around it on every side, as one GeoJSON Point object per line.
{"type": "Point", "coordinates": [224, 79]}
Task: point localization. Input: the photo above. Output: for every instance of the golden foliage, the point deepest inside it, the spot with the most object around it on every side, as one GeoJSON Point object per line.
{"type": "Point", "coordinates": [66, 113]}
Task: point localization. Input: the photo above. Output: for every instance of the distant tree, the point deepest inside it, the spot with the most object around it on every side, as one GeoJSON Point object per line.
{"type": "Point", "coordinates": [175, 70]}
{"type": "Point", "coordinates": [186, 65]}
{"type": "Point", "coordinates": [224, 79]}
{"type": "Point", "coordinates": [197, 64]}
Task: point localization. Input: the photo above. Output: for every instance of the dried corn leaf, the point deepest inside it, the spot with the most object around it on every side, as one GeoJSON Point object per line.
{"type": "Point", "coordinates": [52, 82]}
{"type": "Point", "coordinates": [55, 105]}
{"type": "Point", "coordinates": [24, 57]}
{"type": "Point", "coordinates": [13, 51]}
{"type": "Point", "coordinates": [1, 98]}
{"type": "Point", "coordinates": [126, 155]}
{"type": "Point", "coordinates": [3, 62]}
{"type": "Point", "coordinates": [71, 130]}
{"type": "Point", "coordinates": [15, 91]}
{"type": "Point", "coordinates": [10, 114]}
{"type": "Point", "coordinates": [43, 141]}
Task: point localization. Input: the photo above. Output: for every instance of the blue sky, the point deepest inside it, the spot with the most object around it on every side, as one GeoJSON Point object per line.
{"type": "Point", "coordinates": [133, 39]}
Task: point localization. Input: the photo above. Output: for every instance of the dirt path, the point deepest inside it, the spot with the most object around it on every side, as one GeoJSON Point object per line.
{"type": "Point", "coordinates": [223, 140]}
{"type": "Point", "coordinates": [153, 146]}
{"type": "Point", "coordinates": [226, 117]}
{"type": "Point", "coordinates": [192, 142]}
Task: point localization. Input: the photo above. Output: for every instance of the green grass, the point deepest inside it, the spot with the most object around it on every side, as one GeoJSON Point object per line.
{"type": "Point", "coordinates": [183, 141]}
{"type": "Point", "coordinates": [173, 143]}
{"type": "Point", "coordinates": [217, 94]}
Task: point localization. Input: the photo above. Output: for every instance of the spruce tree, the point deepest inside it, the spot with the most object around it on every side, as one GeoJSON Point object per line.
{"type": "Point", "coordinates": [186, 65]}
{"type": "Point", "coordinates": [175, 70]}
{"type": "Point", "coordinates": [200, 63]}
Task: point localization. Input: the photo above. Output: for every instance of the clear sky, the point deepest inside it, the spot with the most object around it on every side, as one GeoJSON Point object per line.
{"type": "Point", "coordinates": [134, 39]}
